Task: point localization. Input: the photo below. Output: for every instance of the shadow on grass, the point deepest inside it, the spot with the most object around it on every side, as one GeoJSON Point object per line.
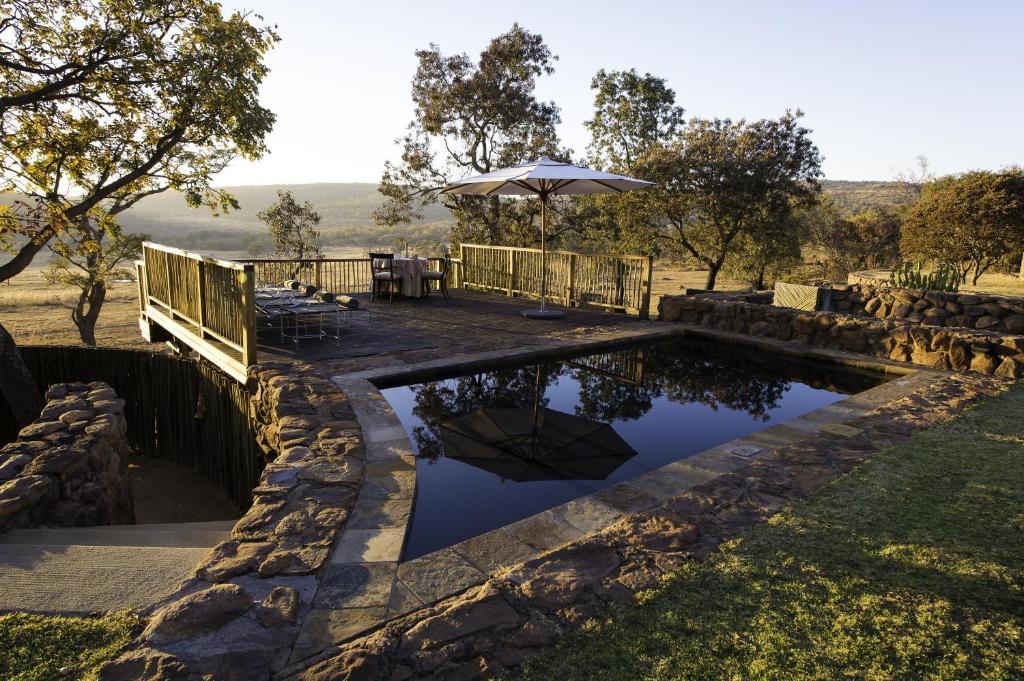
{"type": "Point", "coordinates": [911, 566]}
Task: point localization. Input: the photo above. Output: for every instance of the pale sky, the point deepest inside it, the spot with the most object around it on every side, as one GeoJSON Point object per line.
{"type": "Point", "coordinates": [880, 82]}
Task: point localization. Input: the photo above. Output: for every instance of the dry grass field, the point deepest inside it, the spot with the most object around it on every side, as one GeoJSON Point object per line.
{"type": "Point", "coordinates": [38, 314]}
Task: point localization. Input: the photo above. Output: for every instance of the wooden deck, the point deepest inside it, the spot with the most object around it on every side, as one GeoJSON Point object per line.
{"type": "Point", "coordinates": [414, 330]}
{"type": "Point", "coordinates": [208, 306]}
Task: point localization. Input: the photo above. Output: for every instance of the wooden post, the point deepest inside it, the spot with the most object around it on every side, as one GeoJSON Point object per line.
{"type": "Point", "coordinates": [461, 280]}
{"type": "Point", "coordinates": [645, 292]}
{"type": "Point", "coordinates": [570, 290]}
{"type": "Point", "coordinates": [201, 285]}
{"type": "Point", "coordinates": [140, 280]}
{"type": "Point", "coordinates": [511, 272]}
{"type": "Point", "coordinates": [248, 285]}
{"type": "Point", "coordinates": [317, 272]}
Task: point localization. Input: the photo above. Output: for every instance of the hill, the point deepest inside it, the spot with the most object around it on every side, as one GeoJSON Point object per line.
{"type": "Point", "coordinates": [853, 196]}
{"type": "Point", "coordinates": [346, 209]}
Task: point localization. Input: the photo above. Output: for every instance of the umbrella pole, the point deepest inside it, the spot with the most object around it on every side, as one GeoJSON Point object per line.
{"type": "Point", "coordinates": [543, 252]}
{"type": "Point", "coordinates": [543, 312]}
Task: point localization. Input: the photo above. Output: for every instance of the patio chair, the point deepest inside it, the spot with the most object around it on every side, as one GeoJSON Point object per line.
{"type": "Point", "coordinates": [382, 269]}
{"type": "Point", "coordinates": [440, 277]}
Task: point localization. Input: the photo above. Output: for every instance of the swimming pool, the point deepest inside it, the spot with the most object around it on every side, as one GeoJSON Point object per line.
{"type": "Point", "coordinates": [498, 445]}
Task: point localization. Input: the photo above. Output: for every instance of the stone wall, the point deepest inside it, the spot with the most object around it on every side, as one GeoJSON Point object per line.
{"type": "Point", "coordinates": [933, 346]}
{"type": "Point", "coordinates": [932, 308]}
{"type": "Point", "coordinates": [70, 466]}
{"type": "Point", "coordinates": [239, 616]}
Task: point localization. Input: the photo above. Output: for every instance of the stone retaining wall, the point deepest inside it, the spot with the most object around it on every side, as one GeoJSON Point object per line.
{"type": "Point", "coordinates": [932, 308]}
{"type": "Point", "coordinates": [941, 348]}
{"type": "Point", "coordinates": [238, 618]}
{"type": "Point", "coordinates": [69, 467]}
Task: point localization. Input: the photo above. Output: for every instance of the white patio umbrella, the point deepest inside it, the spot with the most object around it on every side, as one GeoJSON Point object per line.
{"type": "Point", "coordinates": [544, 178]}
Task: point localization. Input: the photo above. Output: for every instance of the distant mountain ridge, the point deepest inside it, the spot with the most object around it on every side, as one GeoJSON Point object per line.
{"type": "Point", "coordinates": [347, 209]}
{"type": "Point", "coordinates": [855, 196]}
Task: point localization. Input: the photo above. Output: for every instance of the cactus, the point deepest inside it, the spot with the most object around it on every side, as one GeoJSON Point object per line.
{"type": "Point", "coordinates": [943, 278]}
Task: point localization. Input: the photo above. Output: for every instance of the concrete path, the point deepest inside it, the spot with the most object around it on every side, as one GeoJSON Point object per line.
{"type": "Point", "coordinates": [96, 569]}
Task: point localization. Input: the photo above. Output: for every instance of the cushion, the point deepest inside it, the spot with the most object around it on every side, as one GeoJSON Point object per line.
{"type": "Point", "coordinates": [387, 275]}
{"type": "Point", "coordinates": [430, 274]}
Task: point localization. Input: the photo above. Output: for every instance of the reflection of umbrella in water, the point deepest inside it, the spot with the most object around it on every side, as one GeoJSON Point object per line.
{"type": "Point", "coordinates": [535, 444]}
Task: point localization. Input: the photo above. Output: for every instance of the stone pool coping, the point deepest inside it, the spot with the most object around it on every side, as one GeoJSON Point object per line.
{"type": "Point", "coordinates": [365, 585]}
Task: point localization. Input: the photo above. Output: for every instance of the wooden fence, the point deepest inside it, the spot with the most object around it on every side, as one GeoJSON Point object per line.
{"type": "Point", "coordinates": [176, 409]}
{"type": "Point", "coordinates": [205, 303]}
{"type": "Point", "coordinates": [338, 275]}
{"type": "Point", "coordinates": [613, 282]}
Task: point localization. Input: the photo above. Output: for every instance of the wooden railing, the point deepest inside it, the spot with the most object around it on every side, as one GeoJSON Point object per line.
{"type": "Point", "coordinates": [338, 275]}
{"type": "Point", "coordinates": [613, 282]}
{"type": "Point", "coordinates": [204, 303]}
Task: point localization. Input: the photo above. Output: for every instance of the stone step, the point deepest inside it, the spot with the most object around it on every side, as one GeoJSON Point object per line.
{"type": "Point", "coordinates": [170, 535]}
{"type": "Point", "coordinates": [72, 579]}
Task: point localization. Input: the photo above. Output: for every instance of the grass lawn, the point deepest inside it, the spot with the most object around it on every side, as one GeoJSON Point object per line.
{"type": "Point", "coordinates": [912, 566]}
{"type": "Point", "coordinates": [36, 647]}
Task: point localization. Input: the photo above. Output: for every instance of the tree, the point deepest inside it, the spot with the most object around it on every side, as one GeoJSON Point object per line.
{"type": "Point", "coordinates": [474, 117]}
{"type": "Point", "coordinates": [721, 180]}
{"type": "Point", "coordinates": [120, 100]}
{"type": "Point", "coordinates": [968, 221]}
{"type": "Point", "coordinates": [88, 257]}
{"type": "Point", "coordinates": [102, 104]}
{"type": "Point", "coordinates": [875, 237]}
{"type": "Point", "coordinates": [293, 227]}
{"type": "Point", "coordinates": [767, 252]}
{"type": "Point", "coordinates": [912, 180]}
{"type": "Point", "coordinates": [868, 239]}
{"type": "Point", "coordinates": [632, 114]}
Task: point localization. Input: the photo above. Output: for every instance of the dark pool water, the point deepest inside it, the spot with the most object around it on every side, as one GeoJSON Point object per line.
{"type": "Point", "coordinates": [497, 446]}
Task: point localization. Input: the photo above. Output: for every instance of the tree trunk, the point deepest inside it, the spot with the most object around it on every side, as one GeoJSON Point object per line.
{"type": "Point", "coordinates": [87, 312]}
{"type": "Point", "coordinates": [759, 282]}
{"type": "Point", "coordinates": [17, 386]}
{"type": "Point", "coordinates": [709, 284]}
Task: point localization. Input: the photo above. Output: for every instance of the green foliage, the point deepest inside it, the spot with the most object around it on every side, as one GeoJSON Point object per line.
{"type": "Point", "coordinates": [907, 568]}
{"type": "Point", "coordinates": [39, 647]}
{"type": "Point", "coordinates": [943, 278]}
{"type": "Point", "coordinates": [869, 239]}
{"type": "Point", "coordinates": [102, 104]}
{"type": "Point", "coordinates": [632, 114]}
{"type": "Point", "coordinates": [293, 227]}
{"type": "Point", "coordinates": [969, 221]}
{"type": "Point", "coordinates": [766, 254]}
{"type": "Point", "coordinates": [719, 182]}
{"type": "Point", "coordinates": [474, 117]}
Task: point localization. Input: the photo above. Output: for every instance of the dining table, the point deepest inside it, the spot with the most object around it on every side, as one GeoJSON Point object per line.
{"type": "Point", "coordinates": [411, 267]}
